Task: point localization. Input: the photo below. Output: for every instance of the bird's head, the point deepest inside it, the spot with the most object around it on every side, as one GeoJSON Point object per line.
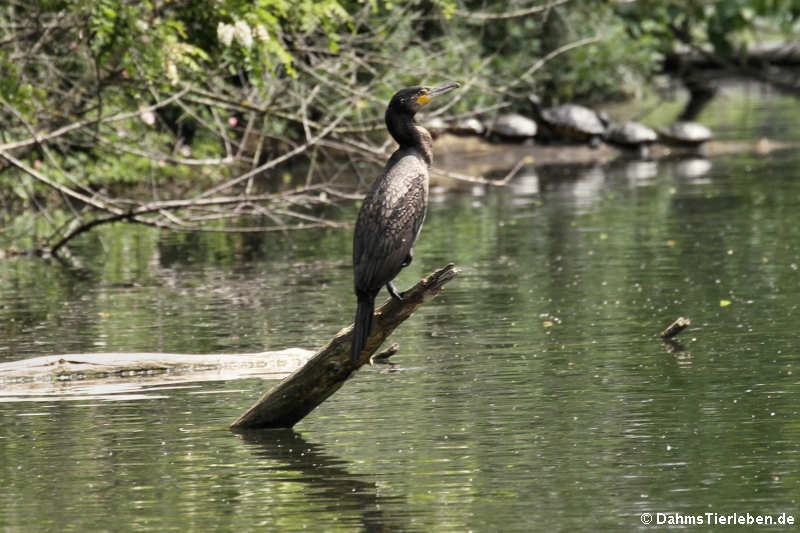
{"type": "Point", "coordinates": [412, 99]}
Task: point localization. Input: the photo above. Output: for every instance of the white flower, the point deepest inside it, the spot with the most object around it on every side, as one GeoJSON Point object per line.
{"type": "Point", "coordinates": [172, 72]}
{"type": "Point", "coordinates": [225, 33]}
{"type": "Point", "coordinates": [261, 33]}
{"type": "Point", "coordinates": [147, 116]}
{"type": "Point", "coordinates": [243, 34]}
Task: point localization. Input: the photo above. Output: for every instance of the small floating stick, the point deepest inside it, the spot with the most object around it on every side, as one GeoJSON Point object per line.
{"type": "Point", "coordinates": [676, 327]}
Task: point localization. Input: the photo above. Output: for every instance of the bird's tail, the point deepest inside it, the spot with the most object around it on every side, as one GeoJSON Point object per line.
{"type": "Point", "coordinates": [362, 325]}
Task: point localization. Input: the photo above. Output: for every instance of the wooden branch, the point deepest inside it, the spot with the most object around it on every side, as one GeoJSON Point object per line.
{"type": "Point", "coordinates": [773, 64]}
{"type": "Point", "coordinates": [511, 14]}
{"type": "Point", "coordinates": [558, 51]}
{"type": "Point", "coordinates": [63, 189]}
{"type": "Point", "coordinates": [48, 136]}
{"type": "Point", "coordinates": [676, 327]}
{"type": "Point", "coordinates": [276, 161]}
{"type": "Point", "coordinates": [298, 394]}
{"type": "Point", "coordinates": [135, 213]}
{"type": "Point", "coordinates": [382, 358]}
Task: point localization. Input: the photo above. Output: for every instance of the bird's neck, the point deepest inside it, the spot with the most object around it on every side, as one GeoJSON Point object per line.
{"type": "Point", "coordinates": [409, 134]}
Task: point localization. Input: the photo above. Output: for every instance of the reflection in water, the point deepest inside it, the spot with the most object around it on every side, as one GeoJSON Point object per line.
{"type": "Point", "coordinates": [639, 173]}
{"type": "Point", "coordinates": [580, 185]}
{"type": "Point", "coordinates": [586, 190]}
{"type": "Point", "coordinates": [323, 477]}
{"type": "Point", "coordinates": [693, 169]}
{"type": "Point", "coordinates": [524, 185]}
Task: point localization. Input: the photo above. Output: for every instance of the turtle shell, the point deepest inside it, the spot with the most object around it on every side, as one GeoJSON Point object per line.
{"type": "Point", "coordinates": [630, 133]}
{"type": "Point", "coordinates": [685, 133]}
{"type": "Point", "coordinates": [514, 125]}
{"type": "Point", "coordinates": [468, 126]}
{"type": "Point", "coordinates": [571, 120]}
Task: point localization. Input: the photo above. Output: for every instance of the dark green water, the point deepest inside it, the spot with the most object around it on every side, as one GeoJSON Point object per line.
{"type": "Point", "coordinates": [532, 395]}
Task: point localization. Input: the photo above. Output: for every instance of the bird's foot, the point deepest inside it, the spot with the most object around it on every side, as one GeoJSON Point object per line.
{"type": "Point", "coordinates": [393, 292]}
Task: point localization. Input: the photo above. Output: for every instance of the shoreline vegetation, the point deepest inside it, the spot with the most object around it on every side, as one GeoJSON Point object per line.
{"type": "Point", "coordinates": [231, 117]}
{"type": "Point", "coordinates": [460, 162]}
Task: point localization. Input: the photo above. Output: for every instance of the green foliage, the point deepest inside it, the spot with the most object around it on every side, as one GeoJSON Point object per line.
{"type": "Point", "coordinates": [724, 26]}
{"type": "Point", "coordinates": [615, 65]}
{"type": "Point", "coordinates": [260, 65]}
{"type": "Point", "coordinates": [255, 33]}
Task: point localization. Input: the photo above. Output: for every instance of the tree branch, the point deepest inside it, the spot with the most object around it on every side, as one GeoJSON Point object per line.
{"type": "Point", "coordinates": [510, 14]}
{"type": "Point", "coordinates": [45, 137]}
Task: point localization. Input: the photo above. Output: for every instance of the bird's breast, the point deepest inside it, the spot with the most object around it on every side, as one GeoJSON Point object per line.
{"type": "Point", "coordinates": [404, 175]}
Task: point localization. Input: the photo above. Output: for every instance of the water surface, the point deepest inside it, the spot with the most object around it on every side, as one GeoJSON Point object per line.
{"type": "Point", "coordinates": [532, 395]}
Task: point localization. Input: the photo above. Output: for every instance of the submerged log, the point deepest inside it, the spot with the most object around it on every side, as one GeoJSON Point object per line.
{"type": "Point", "coordinates": [99, 365]}
{"type": "Point", "coordinates": [294, 397]}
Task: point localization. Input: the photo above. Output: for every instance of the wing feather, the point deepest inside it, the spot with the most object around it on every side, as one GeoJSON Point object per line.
{"type": "Point", "coordinates": [389, 222]}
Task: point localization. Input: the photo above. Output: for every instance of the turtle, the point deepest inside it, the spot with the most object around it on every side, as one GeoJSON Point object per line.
{"type": "Point", "coordinates": [685, 134]}
{"type": "Point", "coordinates": [571, 121]}
{"type": "Point", "coordinates": [631, 134]}
{"type": "Point", "coordinates": [467, 126]}
{"type": "Point", "coordinates": [514, 126]}
{"type": "Point", "coordinates": [436, 126]}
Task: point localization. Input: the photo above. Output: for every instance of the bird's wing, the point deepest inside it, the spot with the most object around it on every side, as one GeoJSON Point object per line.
{"type": "Point", "coordinates": [387, 227]}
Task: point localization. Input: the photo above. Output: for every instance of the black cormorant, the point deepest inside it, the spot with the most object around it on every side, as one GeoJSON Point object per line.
{"type": "Point", "coordinates": [393, 211]}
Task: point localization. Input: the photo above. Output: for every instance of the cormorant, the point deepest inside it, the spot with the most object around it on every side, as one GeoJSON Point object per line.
{"type": "Point", "coordinates": [391, 216]}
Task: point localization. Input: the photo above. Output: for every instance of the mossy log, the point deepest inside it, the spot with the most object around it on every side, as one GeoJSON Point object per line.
{"type": "Point", "coordinates": [298, 394]}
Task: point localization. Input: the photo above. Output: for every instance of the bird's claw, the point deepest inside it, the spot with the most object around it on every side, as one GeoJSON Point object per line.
{"type": "Point", "coordinates": [396, 295]}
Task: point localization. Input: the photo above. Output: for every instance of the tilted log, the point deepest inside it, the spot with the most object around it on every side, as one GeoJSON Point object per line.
{"type": "Point", "coordinates": [298, 394]}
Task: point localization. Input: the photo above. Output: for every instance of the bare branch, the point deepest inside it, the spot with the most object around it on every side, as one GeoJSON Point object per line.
{"type": "Point", "coordinates": [511, 14]}
{"type": "Point", "coordinates": [45, 137]}
{"type": "Point", "coordinates": [57, 186]}
{"type": "Point", "coordinates": [557, 52]}
{"type": "Point", "coordinates": [276, 161]}
{"type": "Point", "coordinates": [465, 177]}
